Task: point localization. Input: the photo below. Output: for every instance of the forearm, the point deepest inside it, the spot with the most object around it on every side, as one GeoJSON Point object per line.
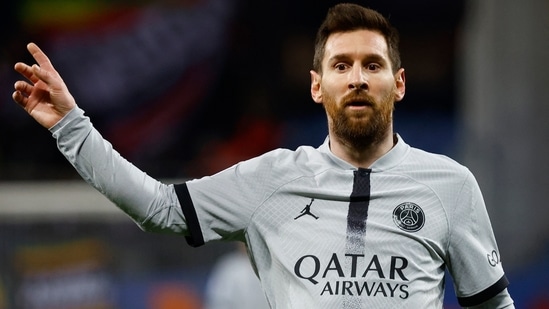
{"type": "Point", "coordinates": [150, 203]}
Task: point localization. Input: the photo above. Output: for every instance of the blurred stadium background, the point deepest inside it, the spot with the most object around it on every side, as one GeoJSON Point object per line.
{"type": "Point", "coordinates": [185, 88]}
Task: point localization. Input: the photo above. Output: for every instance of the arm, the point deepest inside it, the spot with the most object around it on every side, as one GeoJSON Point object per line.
{"type": "Point", "coordinates": [150, 203]}
{"type": "Point", "coordinates": [500, 301]}
{"type": "Point", "coordinates": [474, 258]}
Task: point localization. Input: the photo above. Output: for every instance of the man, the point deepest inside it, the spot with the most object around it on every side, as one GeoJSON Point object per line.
{"type": "Point", "coordinates": [363, 221]}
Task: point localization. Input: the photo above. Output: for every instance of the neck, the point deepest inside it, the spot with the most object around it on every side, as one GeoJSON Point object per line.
{"type": "Point", "coordinates": [363, 156]}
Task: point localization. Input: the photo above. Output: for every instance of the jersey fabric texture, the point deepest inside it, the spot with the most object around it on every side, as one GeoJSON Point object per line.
{"type": "Point", "coordinates": [320, 232]}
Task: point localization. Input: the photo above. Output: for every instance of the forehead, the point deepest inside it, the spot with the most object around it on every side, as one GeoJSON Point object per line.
{"type": "Point", "coordinates": [356, 43]}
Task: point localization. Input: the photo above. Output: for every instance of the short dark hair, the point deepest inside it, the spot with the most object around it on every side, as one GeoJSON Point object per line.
{"type": "Point", "coordinates": [346, 17]}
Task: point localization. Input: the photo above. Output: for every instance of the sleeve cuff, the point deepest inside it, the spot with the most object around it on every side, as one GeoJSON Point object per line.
{"type": "Point", "coordinates": [484, 295]}
{"type": "Point", "coordinates": [195, 237]}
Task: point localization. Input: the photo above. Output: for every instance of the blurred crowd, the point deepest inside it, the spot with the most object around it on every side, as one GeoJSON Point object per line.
{"type": "Point", "coordinates": [186, 88]}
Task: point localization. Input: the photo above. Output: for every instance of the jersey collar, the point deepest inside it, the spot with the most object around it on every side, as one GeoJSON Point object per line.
{"type": "Point", "coordinates": [389, 160]}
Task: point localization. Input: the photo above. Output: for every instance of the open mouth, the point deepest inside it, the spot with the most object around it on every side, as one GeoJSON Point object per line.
{"type": "Point", "coordinates": [358, 103]}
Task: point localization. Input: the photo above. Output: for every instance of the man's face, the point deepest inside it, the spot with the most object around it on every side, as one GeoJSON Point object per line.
{"type": "Point", "coordinates": [357, 87]}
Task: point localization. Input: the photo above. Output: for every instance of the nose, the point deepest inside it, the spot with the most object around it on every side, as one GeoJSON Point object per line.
{"type": "Point", "coordinates": [358, 79]}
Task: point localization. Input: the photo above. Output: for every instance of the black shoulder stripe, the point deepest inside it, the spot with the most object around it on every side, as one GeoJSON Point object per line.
{"type": "Point", "coordinates": [485, 295]}
{"type": "Point", "coordinates": [195, 237]}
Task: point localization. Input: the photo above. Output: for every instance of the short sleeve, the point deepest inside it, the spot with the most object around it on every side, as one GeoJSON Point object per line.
{"type": "Point", "coordinates": [474, 260]}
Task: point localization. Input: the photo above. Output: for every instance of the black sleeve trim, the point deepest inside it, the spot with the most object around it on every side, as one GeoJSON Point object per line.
{"type": "Point", "coordinates": [485, 295]}
{"type": "Point", "coordinates": [195, 237]}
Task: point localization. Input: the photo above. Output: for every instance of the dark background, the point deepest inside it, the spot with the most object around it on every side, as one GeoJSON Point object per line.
{"type": "Point", "coordinates": [186, 88]}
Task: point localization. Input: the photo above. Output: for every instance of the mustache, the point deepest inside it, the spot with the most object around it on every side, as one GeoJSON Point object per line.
{"type": "Point", "coordinates": [358, 97]}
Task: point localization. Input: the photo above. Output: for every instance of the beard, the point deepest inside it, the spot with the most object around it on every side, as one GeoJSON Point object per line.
{"type": "Point", "coordinates": [360, 128]}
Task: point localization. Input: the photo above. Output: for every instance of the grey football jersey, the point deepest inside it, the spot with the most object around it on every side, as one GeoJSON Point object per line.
{"type": "Point", "coordinates": [320, 232]}
{"type": "Point", "coordinates": [323, 232]}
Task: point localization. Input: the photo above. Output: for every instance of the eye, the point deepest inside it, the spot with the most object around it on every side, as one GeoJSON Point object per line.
{"type": "Point", "coordinates": [373, 66]}
{"type": "Point", "coordinates": [340, 67]}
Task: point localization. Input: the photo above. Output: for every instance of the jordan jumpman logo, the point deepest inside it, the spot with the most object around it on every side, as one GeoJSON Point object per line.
{"type": "Point", "coordinates": [307, 211]}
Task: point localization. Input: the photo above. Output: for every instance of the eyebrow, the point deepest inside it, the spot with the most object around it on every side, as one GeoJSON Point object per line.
{"type": "Point", "coordinates": [372, 57]}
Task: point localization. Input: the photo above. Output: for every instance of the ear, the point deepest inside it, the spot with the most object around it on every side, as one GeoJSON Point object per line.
{"type": "Point", "coordinates": [400, 82]}
{"type": "Point", "coordinates": [316, 91]}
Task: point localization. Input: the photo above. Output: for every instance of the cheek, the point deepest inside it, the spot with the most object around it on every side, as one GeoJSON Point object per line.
{"type": "Point", "coordinates": [329, 104]}
{"type": "Point", "coordinates": [332, 91]}
{"type": "Point", "coordinates": [386, 87]}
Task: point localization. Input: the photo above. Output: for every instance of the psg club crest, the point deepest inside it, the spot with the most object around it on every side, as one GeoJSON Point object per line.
{"type": "Point", "coordinates": [409, 217]}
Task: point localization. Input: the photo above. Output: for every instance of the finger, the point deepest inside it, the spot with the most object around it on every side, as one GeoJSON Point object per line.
{"type": "Point", "coordinates": [19, 98]}
{"type": "Point", "coordinates": [46, 76]}
{"type": "Point", "coordinates": [26, 71]}
{"type": "Point", "coordinates": [23, 88]}
{"type": "Point", "coordinates": [40, 57]}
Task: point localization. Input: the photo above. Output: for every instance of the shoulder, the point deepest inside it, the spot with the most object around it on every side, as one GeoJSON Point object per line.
{"type": "Point", "coordinates": [301, 160]}
{"type": "Point", "coordinates": [435, 162]}
{"type": "Point", "coordinates": [437, 171]}
{"type": "Point", "coordinates": [267, 172]}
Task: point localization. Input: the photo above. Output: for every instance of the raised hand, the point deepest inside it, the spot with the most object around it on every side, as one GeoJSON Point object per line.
{"type": "Point", "coordinates": [44, 94]}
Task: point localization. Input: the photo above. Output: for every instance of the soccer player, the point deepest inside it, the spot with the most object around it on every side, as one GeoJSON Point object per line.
{"type": "Point", "coordinates": [362, 221]}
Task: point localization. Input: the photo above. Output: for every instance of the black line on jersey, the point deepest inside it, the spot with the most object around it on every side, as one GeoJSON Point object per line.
{"type": "Point", "coordinates": [484, 295]}
{"type": "Point", "coordinates": [356, 224]}
{"type": "Point", "coordinates": [358, 210]}
{"type": "Point", "coordinates": [195, 238]}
